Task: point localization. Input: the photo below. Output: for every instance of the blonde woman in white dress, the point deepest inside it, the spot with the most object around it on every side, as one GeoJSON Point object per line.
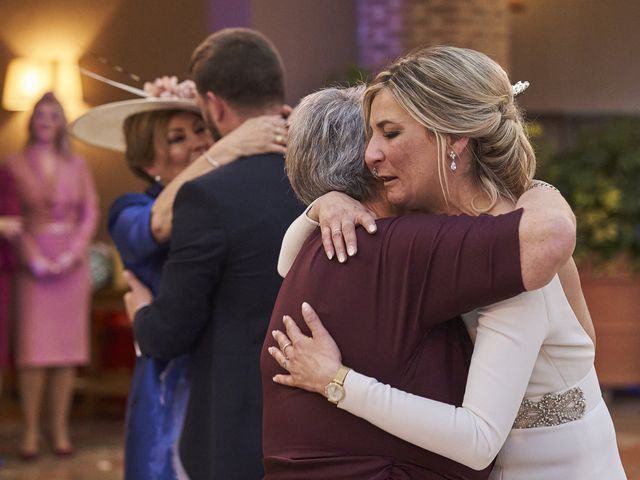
{"type": "Point", "coordinates": [532, 395]}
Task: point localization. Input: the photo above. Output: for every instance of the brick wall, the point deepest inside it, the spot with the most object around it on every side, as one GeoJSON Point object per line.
{"type": "Point", "coordinates": [390, 28]}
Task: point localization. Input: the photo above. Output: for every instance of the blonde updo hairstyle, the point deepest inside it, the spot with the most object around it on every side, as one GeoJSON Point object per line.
{"type": "Point", "coordinates": [458, 92]}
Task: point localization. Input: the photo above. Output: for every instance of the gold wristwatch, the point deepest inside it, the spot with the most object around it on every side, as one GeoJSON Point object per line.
{"type": "Point", "coordinates": [334, 391]}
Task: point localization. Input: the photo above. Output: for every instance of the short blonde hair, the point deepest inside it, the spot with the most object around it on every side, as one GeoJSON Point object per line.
{"type": "Point", "coordinates": [458, 92]}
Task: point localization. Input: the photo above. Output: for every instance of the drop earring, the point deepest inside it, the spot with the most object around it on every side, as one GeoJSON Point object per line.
{"type": "Point", "coordinates": [453, 166]}
{"type": "Point", "coordinates": [157, 178]}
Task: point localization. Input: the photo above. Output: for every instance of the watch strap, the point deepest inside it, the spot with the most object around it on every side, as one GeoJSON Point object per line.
{"type": "Point", "coordinates": [341, 375]}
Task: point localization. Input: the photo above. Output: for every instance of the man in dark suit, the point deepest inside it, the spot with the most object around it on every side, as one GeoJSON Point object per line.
{"type": "Point", "coordinates": [220, 281]}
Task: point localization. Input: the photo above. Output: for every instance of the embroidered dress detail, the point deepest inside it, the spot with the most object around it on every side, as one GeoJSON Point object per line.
{"type": "Point", "coordinates": [552, 409]}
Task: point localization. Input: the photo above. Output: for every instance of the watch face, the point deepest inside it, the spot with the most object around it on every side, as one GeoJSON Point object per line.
{"type": "Point", "coordinates": [335, 392]}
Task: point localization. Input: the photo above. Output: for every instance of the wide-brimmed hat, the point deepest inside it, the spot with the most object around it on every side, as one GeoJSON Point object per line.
{"type": "Point", "coordinates": [102, 125]}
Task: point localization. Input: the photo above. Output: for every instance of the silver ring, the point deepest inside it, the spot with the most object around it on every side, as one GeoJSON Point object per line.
{"type": "Point", "coordinates": [284, 349]}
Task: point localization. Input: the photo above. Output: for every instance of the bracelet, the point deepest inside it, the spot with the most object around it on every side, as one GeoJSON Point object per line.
{"type": "Point", "coordinates": [541, 183]}
{"type": "Point", "coordinates": [212, 161]}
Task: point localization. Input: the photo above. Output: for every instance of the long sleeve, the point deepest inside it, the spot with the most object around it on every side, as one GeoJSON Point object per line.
{"type": "Point", "coordinates": [294, 238]}
{"type": "Point", "coordinates": [509, 337]}
{"type": "Point", "coordinates": [130, 228]}
{"type": "Point", "coordinates": [28, 249]}
{"type": "Point", "coordinates": [88, 216]}
{"type": "Point", "coordinates": [174, 321]}
{"type": "Point", "coordinates": [10, 206]}
{"type": "Point", "coordinates": [9, 200]}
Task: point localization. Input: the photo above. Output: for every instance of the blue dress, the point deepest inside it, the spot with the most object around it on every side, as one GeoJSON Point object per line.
{"type": "Point", "coordinates": [159, 389]}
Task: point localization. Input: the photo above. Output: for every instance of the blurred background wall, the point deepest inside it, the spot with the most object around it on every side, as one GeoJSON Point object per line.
{"type": "Point", "coordinates": [151, 38]}
{"type": "Point", "coordinates": [578, 54]}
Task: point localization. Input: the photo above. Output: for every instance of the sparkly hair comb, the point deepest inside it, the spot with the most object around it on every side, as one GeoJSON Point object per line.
{"type": "Point", "coordinates": [519, 87]}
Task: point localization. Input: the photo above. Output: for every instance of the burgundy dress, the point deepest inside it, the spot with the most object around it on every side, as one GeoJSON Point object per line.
{"type": "Point", "coordinates": [59, 217]}
{"type": "Point", "coordinates": [387, 309]}
{"type": "Point", "coordinates": [9, 205]}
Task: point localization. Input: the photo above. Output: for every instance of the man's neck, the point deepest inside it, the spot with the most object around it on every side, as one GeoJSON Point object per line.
{"type": "Point", "coordinates": [238, 117]}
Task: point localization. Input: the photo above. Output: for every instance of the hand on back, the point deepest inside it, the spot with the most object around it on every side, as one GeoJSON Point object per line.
{"type": "Point", "coordinates": [338, 215]}
{"type": "Point", "coordinates": [266, 133]}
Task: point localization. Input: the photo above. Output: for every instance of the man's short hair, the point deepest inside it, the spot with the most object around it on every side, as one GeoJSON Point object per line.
{"type": "Point", "coordinates": [240, 65]}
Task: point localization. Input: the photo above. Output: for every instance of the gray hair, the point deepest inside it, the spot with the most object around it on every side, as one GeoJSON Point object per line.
{"type": "Point", "coordinates": [325, 151]}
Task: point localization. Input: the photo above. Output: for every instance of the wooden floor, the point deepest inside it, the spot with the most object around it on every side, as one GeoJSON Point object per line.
{"type": "Point", "coordinates": [99, 446]}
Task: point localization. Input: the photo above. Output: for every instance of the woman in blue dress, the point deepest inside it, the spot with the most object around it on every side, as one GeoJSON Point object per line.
{"type": "Point", "coordinates": [166, 143]}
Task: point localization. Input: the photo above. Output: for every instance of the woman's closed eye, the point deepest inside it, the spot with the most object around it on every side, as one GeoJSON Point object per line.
{"type": "Point", "coordinates": [391, 134]}
{"type": "Point", "coordinates": [177, 138]}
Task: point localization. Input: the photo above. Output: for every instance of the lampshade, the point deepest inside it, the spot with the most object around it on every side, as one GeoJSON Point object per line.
{"type": "Point", "coordinates": [67, 84]}
{"type": "Point", "coordinates": [26, 80]}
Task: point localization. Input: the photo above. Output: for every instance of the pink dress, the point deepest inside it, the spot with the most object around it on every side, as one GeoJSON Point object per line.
{"type": "Point", "coordinates": [60, 216]}
{"type": "Point", "coordinates": [9, 205]}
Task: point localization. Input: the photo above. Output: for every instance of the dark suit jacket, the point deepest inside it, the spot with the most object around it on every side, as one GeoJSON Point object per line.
{"type": "Point", "coordinates": [216, 296]}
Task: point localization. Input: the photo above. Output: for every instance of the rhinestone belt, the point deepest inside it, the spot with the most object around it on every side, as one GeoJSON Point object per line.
{"type": "Point", "coordinates": [552, 409]}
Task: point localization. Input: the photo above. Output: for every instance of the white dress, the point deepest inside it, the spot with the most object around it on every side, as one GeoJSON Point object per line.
{"type": "Point", "coordinates": [525, 347]}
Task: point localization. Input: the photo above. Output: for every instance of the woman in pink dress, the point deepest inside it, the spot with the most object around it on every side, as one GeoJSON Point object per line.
{"type": "Point", "coordinates": [59, 213]}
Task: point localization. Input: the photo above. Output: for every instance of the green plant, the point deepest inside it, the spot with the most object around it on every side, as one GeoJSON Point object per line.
{"type": "Point", "coordinates": [600, 178]}
{"type": "Point", "coordinates": [356, 74]}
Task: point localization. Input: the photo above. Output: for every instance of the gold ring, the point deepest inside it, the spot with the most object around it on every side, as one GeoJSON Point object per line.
{"type": "Point", "coordinates": [284, 349]}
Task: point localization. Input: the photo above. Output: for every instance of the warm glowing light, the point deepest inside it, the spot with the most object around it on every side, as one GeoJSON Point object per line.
{"type": "Point", "coordinates": [67, 86]}
{"type": "Point", "coordinates": [26, 80]}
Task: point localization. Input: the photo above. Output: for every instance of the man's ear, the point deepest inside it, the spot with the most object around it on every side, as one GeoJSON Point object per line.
{"type": "Point", "coordinates": [217, 107]}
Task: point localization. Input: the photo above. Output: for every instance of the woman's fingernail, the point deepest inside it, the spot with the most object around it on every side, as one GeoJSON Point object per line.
{"type": "Point", "coordinates": [273, 332]}
{"type": "Point", "coordinates": [270, 350]}
{"type": "Point", "coordinates": [306, 307]}
{"type": "Point", "coordinates": [342, 258]}
{"type": "Point", "coordinates": [351, 250]}
{"type": "Point", "coordinates": [371, 228]}
{"type": "Point", "coordinates": [329, 255]}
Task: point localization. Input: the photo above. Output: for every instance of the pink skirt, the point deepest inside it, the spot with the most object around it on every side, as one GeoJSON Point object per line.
{"type": "Point", "coordinates": [52, 313]}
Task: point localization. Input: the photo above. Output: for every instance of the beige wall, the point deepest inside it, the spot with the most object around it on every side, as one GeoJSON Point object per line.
{"type": "Point", "coordinates": [156, 37]}
{"type": "Point", "coordinates": [581, 56]}
{"type": "Point", "coordinates": [578, 54]}
{"type": "Point", "coordinates": [317, 40]}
